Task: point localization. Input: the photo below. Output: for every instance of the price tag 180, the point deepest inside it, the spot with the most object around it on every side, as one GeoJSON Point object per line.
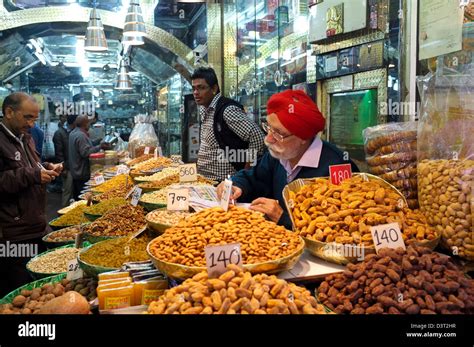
{"type": "Point", "coordinates": [74, 272]}
{"type": "Point", "coordinates": [387, 235]}
{"type": "Point", "coordinates": [178, 199]}
{"type": "Point", "coordinates": [99, 179]}
{"type": "Point", "coordinates": [137, 192]}
{"type": "Point", "coordinates": [339, 173]}
{"type": "Point", "coordinates": [225, 198]}
{"type": "Point", "coordinates": [188, 173]}
{"type": "Point", "coordinates": [218, 257]}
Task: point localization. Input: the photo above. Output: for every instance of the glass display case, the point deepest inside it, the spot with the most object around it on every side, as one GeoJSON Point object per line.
{"type": "Point", "coordinates": [271, 50]}
{"type": "Point", "coordinates": [170, 113]}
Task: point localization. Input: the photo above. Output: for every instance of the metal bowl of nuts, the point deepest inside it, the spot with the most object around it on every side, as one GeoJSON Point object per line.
{"type": "Point", "coordinates": [51, 262]}
{"type": "Point", "coordinates": [161, 219]}
{"type": "Point", "coordinates": [61, 237]}
{"type": "Point", "coordinates": [179, 271]}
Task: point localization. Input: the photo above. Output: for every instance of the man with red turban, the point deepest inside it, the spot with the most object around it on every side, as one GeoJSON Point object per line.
{"type": "Point", "coordinates": [294, 151]}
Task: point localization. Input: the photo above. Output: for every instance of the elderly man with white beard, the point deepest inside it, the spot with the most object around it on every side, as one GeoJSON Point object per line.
{"type": "Point", "coordinates": [294, 151]}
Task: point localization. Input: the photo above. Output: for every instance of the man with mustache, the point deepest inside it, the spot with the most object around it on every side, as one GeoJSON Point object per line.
{"type": "Point", "coordinates": [23, 180]}
{"type": "Point", "coordinates": [294, 151]}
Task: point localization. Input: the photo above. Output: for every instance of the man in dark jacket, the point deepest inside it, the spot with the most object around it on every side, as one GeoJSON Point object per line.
{"type": "Point", "coordinates": [22, 191]}
{"type": "Point", "coordinates": [230, 140]}
{"type": "Point", "coordinates": [295, 151]}
{"type": "Point", "coordinates": [80, 147]}
{"type": "Point", "coordinates": [61, 142]}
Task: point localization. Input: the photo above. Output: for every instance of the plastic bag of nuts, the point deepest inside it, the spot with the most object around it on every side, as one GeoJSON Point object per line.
{"type": "Point", "coordinates": [236, 292]}
{"type": "Point", "coordinates": [411, 281]}
{"type": "Point", "coordinates": [446, 158]}
{"type": "Point", "coordinates": [445, 194]}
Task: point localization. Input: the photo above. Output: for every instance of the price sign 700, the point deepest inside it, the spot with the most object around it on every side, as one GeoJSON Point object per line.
{"type": "Point", "coordinates": [178, 199]}
{"type": "Point", "coordinates": [218, 257]}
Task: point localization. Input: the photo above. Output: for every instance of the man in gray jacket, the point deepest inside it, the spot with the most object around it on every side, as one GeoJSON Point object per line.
{"type": "Point", "coordinates": [80, 147]}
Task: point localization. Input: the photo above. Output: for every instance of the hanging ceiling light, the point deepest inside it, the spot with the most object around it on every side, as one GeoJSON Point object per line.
{"type": "Point", "coordinates": [132, 40]}
{"type": "Point", "coordinates": [95, 35]}
{"type": "Point", "coordinates": [123, 78]}
{"type": "Point", "coordinates": [134, 24]}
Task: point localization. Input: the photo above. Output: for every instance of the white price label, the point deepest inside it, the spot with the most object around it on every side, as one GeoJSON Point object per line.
{"type": "Point", "coordinates": [218, 257]}
{"type": "Point", "coordinates": [155, 153]}
{"type": "Point", "coordinates": [74, 272]}
{"type": "Point", "coordinates": [225, 198]}
{"type": "Point", "coordinates": [130, 192]}
{"type": "Point", "coordinates": [122, 170]}
{"type": "Point", "coordinates": [188, 173]}
{"type": "Point", "coordinates": [99, 179]}
{"type": "Point", "coordinates": [137, 193]}
{"type": "Point", "coordinates": [387, 235]}
{"type": "Point", "coordinates": [178, 199]}
{"type": "Point", "coordinates": [147, 150]}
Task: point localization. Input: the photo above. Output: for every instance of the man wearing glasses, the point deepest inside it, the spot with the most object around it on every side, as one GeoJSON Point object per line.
{"type": "Point", "coordinates": [22, 190]}
{"type": "Point", "coordinates": [294, 151]}
{"type": "Point", "coordinates": [230, 140]}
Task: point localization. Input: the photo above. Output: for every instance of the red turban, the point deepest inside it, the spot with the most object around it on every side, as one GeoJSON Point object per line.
{"type": "Point", "coordinates": [297, 112]}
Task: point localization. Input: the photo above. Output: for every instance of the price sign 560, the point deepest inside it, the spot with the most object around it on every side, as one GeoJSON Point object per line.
{"type": "Point", "coordinates": [188, 173]}
{"type": "Point", "coordinates": [218, 257]}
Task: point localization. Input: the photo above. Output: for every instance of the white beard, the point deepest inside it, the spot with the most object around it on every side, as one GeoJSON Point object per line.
{"type": "Point", "coordinates": [277, 152]}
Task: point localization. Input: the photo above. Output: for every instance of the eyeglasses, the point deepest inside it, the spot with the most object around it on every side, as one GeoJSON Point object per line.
{"type": "Point", "coordinates": [277, 136]}
{"type": "Point", "coordinates": [200, 88]}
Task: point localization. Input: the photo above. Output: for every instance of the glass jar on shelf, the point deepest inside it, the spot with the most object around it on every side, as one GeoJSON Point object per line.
{"type": "Point", "coordinates": [97, 162]}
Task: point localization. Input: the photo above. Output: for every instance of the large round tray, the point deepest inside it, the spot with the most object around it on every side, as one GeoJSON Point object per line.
{"type": "Point", "coordinates": [150, 206]}
{"type": "Point", "coordinates": [66, 209]}
{"type": "Point", "coordinates": [53, 244]}
{"type": "Point", "coordinates": [8, 299]}
{"type": "Point", "coordinates": [333, 252]}
{"type": "Point", "coordinates": [89, 269]}
{"type": "Point", "coordinates": [92, 217]}
{"type": "Point", "coordinates": [54, 227]}
{"type": "Point", "coordinates": [38, 275]}
{"type": "Point", "coordinates": [179, 271]}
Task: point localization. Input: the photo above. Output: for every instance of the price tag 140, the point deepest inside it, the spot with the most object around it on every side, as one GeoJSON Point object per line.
{"type": "Point", "coordinates": [178, 199]}
{"type": "Point", "coordinates": [218, 257]}
{"type": "Point", "coordinates": [188, 173]}
{"type": "Point", "coordinates": [339, 173]}
{"type": "Point", "coordinates": [387, 235]}
{"type": "Point", "coordinates": [225, 198]}
{"type": "Point", "coordinates": [99, 179]}
{"type": "Point", "coordinates": [137, 193]}
{"type": "Point", "coordinates": [74, 272]}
